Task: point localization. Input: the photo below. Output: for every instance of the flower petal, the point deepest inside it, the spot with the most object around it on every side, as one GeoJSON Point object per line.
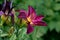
{"type": "Point", "coordinates": [29, 29]}
{"type": "Point", "coordinates": [8, 5]}
{"type": "Point", "coordinates": [31, 12]}
{"type": "Point", "coordinates": [22, 14]}
{"type": "Point", "coordinates": [39, 23]}
{"type": "Point", "coordinates": [1, 13]}
{"type": "Point", "coordinates": [39, 18]}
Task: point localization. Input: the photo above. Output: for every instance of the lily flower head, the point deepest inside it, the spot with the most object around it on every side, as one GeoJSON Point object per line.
{"type": "Point", "coordinates": [31, 18]}
{"type": "Point", "coordinates": [7, 10]}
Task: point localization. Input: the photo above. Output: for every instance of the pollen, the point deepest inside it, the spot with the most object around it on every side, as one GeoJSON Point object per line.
{"type": "Point", "coordinates": [29, 19]}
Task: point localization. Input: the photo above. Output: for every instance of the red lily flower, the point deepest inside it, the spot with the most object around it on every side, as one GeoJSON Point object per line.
{"type": "Point", "coordinates": [31, 19]}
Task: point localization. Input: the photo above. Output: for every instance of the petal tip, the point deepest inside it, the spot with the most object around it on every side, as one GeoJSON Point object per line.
{"type": "Point", "coordinates": [22, 14]}
{"type": "Point", "coordinates": [30, 29]}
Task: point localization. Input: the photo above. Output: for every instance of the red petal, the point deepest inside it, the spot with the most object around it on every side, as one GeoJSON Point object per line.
{"type": "Point", "coordinates": [39, 18]}
{"type": "Point", "coordinates": [39, 23]}
{"type": "Point", "coordinates": [22, 14]}
{"type": "Point", "coordinates": [31, 12]}
{"type": "Point", "coordinates": [29, 29]}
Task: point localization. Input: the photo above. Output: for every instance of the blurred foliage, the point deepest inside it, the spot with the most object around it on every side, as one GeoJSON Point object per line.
{"type": "Point", "coordinates": [49, 8]}
{"type": "Point", "coordinates": [51, 35]}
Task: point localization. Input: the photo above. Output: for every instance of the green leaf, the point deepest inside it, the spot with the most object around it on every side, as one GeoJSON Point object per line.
{"type": "Point", "coordinates": [57, 26]}
{"type": "Point", "coordinates": [38, 32]}
{"type": "Point", "coordinates": [57, 0]}
{"type": "Point", "coordinates": [49, 12]}
{"type": "Point", "coordinates": [22, 33]}
{"type": "Point", "coordinates": [3, 35]}
{"type": "Point", "coordinates": [57, 6]}
{"type": "Point", "coordinates": [52, 25]}
{"type": "Point", "coordinates": [48, 3]}
{"type": "Point", "coordinates": [1, 31]}
{"type": "Point", "coordinates": [1, 39]}
{"type": "Point", "coordinates": [13, 37]}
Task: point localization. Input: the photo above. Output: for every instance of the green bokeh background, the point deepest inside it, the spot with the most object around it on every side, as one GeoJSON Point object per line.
{"type": "Point", "coordinates": [49, 8]}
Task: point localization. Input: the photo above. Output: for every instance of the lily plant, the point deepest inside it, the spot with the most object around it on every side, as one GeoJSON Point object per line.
{"type": "Point", "coordinates": [31, 19]}
{"type": "Point", "coordinates": [28, 18]}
